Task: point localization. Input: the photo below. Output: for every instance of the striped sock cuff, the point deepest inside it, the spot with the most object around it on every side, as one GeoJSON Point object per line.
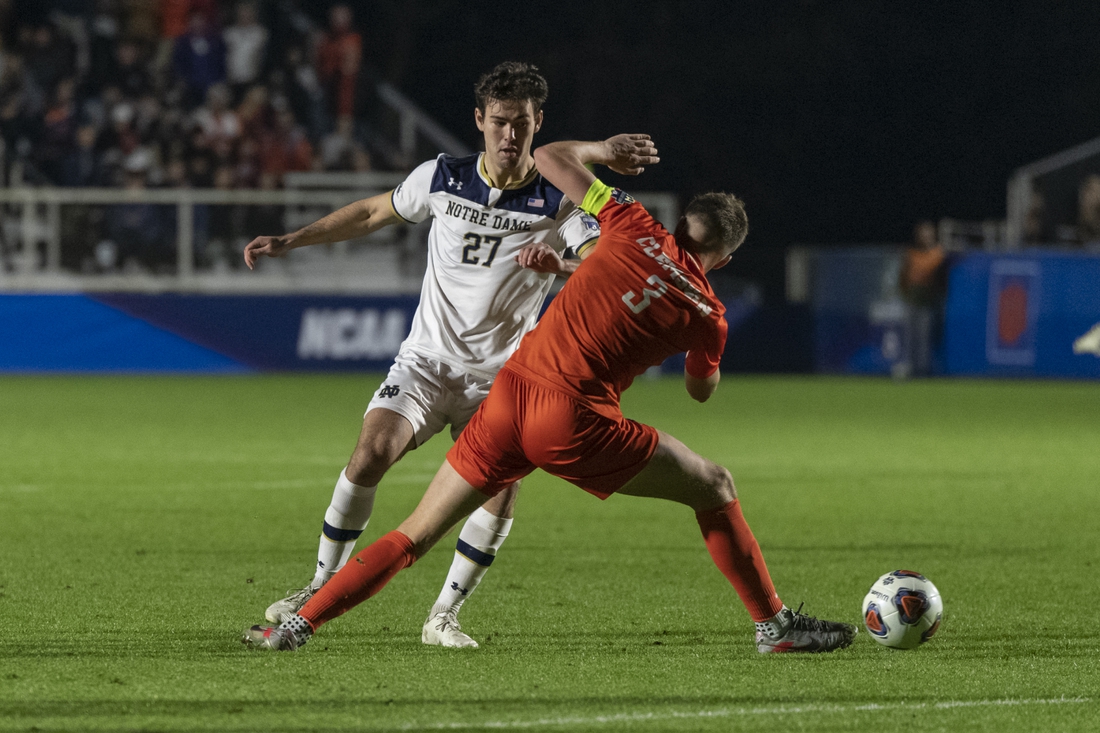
{"type": "Point", "coordinates": [340, 535]}
{"type": "Point", "coordinates": [473, 554]}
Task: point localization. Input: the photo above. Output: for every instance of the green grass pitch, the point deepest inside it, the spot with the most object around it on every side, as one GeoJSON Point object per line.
{"type": "Point", "coordinates": [144, 522]}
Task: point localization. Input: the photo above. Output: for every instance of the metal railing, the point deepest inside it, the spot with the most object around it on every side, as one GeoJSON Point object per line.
{"type": "Point", "coordinates": [34, 238]}
{"type": "Point", "coordinates": [413, 121]}
{"type": "Point", "coordinates": [32, 243]}
{"type": "Point", "coordinates": [958, 235]}
{"type": "Point", "coordinates": [1021, 184]}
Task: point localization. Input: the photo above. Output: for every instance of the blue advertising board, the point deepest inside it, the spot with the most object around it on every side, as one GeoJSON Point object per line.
{"type": "Point", "coordinates": [1033, 314]}
{"type": "Point", "coordinates": [128, 332]}
{"type": "Point", "coordinates": [861, 325]}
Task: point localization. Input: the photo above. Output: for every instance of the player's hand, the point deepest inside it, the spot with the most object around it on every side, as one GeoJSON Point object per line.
{"type": "Point", "coordinates": [265, 246]}
{"type": "Point", "coordinates": [629, 154]}
{"type": "Point", "coordinates": [541, 257]}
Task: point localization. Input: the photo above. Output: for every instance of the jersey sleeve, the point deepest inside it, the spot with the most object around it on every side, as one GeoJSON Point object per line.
{"type": "Point", "coordinates": [410, 199]}
{"type": "Point", "coordinates": [578, 229]}
{"type": "Point", "coordinates": [615, 209]}
{"type": "Point", "coordinates": [599, 193]}
{"type": "Point", "coordinates": [703, 361]}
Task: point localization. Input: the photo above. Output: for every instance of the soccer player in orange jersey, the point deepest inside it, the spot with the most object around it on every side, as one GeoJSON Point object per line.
{"type": "Point", "coordinates": [639, 298]}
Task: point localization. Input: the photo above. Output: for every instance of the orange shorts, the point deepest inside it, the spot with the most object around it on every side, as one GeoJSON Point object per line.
{"type": "Point", "coordinates": [522, 426]}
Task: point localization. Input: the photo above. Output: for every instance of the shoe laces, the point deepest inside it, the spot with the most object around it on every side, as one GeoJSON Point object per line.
{"type": "Point", "coordinates": [445, 619]}
{"type": "Point", "coordinates": [803, 622]}
{"type": "Point", "coordinates": [302, 594]}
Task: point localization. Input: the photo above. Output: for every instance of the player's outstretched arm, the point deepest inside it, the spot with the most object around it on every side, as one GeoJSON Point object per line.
{"type": "Point", "coordinates": [354, 220]}
{"type": "Point", "coordinates": [563, 163]}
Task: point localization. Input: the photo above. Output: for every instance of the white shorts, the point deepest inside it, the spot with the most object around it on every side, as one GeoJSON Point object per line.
{"type": "Point", "coordinates": [430, 394]}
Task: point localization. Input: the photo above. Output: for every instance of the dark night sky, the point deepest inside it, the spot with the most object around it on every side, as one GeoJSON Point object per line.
{"type": "Point", "coordinates": [836, 121]}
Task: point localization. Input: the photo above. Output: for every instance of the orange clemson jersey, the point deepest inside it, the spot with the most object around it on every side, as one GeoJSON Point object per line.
{"type": "Point", "coordinates": [637, 300]}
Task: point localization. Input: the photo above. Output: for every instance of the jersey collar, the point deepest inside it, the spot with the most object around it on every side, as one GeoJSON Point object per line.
{"type": "Point", "coordinates": [484, 173]}
{"type": "Point", "coordinates": [694, 258]}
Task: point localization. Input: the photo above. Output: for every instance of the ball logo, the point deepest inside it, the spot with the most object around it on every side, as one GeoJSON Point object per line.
{"type": "Point", "coordinates": [911, 605]}
{"type": "Point", "coordinates": [873, 621]}
{"type": "Point", "coordinates": [934, 628]}
{"type": "Point", "coordinates": [907, 574]}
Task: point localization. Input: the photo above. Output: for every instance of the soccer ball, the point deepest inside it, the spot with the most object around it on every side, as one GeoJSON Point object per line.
{"type": "Point", "coordinates": [902, 610]}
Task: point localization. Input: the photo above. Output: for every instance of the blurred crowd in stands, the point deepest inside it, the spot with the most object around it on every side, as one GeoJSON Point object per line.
{"type": "Point", "coordinates": [194, 93]}
{"type": "Point", "coordinates": [1058, 214]}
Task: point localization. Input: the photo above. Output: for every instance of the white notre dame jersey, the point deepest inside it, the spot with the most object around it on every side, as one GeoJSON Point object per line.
{"type": "Point", "coordinates": [477, 303]}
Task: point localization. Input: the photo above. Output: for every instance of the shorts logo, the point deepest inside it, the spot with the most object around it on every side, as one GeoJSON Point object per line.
{"type": "Point", "coordinates": [389, 390]}
{"type": "Point", "coordinates": [622, 197]}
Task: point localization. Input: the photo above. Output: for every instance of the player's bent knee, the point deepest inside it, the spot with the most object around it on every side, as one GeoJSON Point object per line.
{"type": "Point", "coordinates": [373, 456]}
{"type": "Point", "coordinates": [723, 484]}
{"type": "Point", "coordinates": [720, 489]}
{"type": "Point", "coordinates": [504, 503]}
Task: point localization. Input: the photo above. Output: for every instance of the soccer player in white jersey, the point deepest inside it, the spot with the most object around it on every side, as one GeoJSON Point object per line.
{"type": "Point", "coordinates": [497, 240]}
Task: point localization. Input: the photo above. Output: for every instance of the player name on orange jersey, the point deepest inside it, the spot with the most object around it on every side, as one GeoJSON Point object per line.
{"type": "Point", "coordinates": [652, 248]}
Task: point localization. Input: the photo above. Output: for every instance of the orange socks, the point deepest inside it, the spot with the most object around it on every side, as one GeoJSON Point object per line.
{"type": "Point", "coordinates": [729, 540]}
{"type": "Point", "coordinates": [734, 550]}
{"type": "Point", "coordinates": [362, 577]}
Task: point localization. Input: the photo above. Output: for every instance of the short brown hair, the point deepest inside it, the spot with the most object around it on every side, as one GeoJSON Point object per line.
{"type": "Point", "coordinates": [512, 81]}
{"type": "Point", "coordinates": [724, 217]}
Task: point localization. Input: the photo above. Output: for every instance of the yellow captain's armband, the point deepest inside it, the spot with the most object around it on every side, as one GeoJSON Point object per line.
{"type": "Point", "coordinates": [599, 193]}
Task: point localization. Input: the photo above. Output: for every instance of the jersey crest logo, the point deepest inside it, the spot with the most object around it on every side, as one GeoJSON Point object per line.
{"type": "Point", "coordinates": [622, 197]}
{"type": "Point", "coordinates": [456, 185]}
{"type": "Point", "coordinates": [389, 390]}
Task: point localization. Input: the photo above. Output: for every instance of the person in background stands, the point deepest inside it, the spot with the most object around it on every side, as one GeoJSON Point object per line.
{"type": "Point", "coordinates": [923, 283]}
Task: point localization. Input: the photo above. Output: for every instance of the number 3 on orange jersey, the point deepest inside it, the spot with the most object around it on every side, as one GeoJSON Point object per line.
{"type": "Point", "coordinates": [647, 294]}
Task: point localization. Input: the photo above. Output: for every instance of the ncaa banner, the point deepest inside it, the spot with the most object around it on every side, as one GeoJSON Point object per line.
{"type": "Point", "coordinates": [125, 332]}
{"type": "Point", "coordinates": [283, 333]}
{"type": "Point", "coordinates": [184, 333]}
